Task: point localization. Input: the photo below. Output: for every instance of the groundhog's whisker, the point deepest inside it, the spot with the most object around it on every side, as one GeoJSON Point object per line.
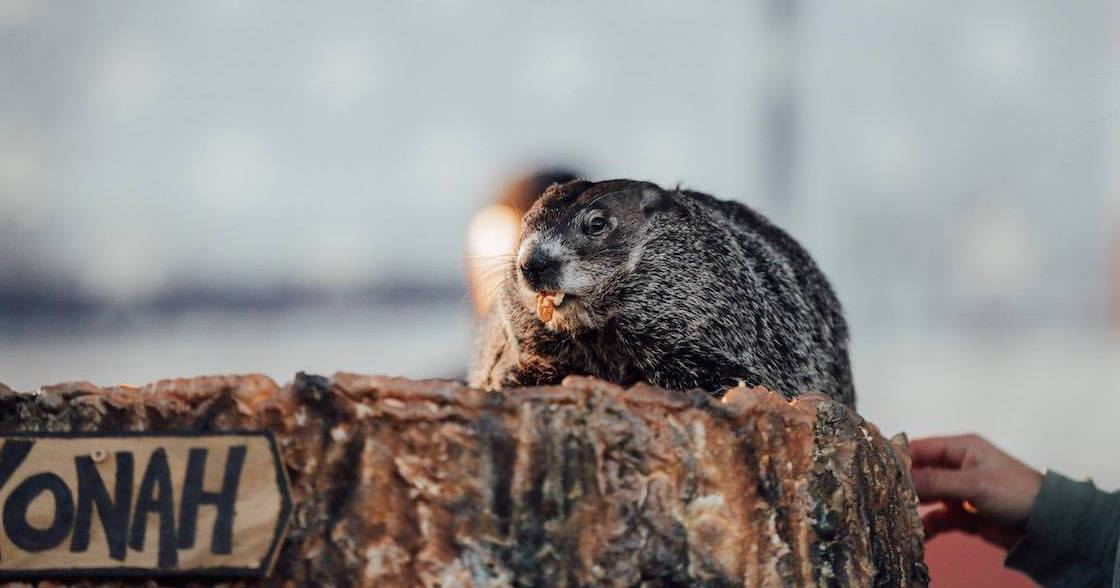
{"type": "Point", "coordinates": [491, 292]}
{"type": "Point", "coordinates": [500, 257]}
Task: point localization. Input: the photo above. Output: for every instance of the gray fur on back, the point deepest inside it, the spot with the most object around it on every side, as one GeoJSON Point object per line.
{"type": "Point", "coordinates": [688, 291]}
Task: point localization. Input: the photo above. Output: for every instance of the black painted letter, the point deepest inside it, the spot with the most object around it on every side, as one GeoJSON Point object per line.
{"type": "Point", "coordinates": [113, 511]}
{"type": "Point", "coordinates": [155, 495]}
{"type": "Point", "coordinates": [20, 531]}
{"type": "Point", "coordinates": [221, 541]}
{"type": "Point", "coordinates": [11, 457]}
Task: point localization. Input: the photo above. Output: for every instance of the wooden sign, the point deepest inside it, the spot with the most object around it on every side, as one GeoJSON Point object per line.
{"type": "Point", "coordinates": [141, 504]}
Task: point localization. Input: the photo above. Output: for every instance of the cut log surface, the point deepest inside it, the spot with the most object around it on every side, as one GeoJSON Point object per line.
{"type": "Point", "coordinates": [428, 483]}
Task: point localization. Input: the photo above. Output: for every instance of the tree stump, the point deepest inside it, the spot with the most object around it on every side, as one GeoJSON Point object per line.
{"type": "Point", "coordinates": [429, 483]}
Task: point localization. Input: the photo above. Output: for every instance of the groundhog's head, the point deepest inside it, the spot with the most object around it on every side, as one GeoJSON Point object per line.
{"type": "Point", "coordinates": [577, 241]}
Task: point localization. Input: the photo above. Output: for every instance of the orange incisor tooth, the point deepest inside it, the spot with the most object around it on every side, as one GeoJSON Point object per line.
{"type": "Point", "coordinates": [544, 307]}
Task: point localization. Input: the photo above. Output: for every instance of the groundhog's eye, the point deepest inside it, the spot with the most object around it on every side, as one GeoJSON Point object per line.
{"type": "Point", "coordinates": [595, 224]}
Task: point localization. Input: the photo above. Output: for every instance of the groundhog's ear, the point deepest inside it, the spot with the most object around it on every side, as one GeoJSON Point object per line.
{"type": "Point", "coordinates": [656, 201]}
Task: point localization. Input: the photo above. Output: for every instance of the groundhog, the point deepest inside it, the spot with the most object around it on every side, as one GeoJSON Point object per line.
{"type": "Point", "coordinates": [628, 282]}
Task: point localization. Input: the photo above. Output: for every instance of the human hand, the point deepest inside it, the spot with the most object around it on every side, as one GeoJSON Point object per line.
{"type": "Point", "coordinates": [983, 490]}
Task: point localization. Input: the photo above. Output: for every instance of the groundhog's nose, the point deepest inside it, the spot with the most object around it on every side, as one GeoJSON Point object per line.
{"type": "Point", "coordinates": [541, 270]}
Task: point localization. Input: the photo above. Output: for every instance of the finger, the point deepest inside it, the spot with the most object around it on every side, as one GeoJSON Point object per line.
{"type": "Point", "coordinates": [937, 522]}
{"type": "Point", "coordinates": [943, 520]}
{"type": "Point", "coordinates": [946, 452]}
{"type": "Point", "coordinates": [942, 484]}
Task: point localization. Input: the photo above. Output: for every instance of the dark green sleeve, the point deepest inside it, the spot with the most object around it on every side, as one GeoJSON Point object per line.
{"type": "Point", "coordinates": [1072, 535]}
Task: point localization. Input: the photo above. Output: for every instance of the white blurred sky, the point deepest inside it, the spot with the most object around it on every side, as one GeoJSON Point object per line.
{"type": "Point", "coordinates": [946, 157]}
{"type": "Point", "coordinates": [951, 165]}
{"type": "Point", "coordinates": [166, 142]}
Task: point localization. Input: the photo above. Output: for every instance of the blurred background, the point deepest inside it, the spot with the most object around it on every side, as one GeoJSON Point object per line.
{"type": "Point", "coordinates": [212, 187]}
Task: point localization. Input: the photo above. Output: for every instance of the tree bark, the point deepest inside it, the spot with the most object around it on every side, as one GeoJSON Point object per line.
{"type": "Point", "coordinates": [429, 483]}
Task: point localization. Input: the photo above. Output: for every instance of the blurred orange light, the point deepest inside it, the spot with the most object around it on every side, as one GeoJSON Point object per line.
{"type": "Point", "coordinates": [493, 232]}
{"type": "Point", "coordinates": [491, 240]}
